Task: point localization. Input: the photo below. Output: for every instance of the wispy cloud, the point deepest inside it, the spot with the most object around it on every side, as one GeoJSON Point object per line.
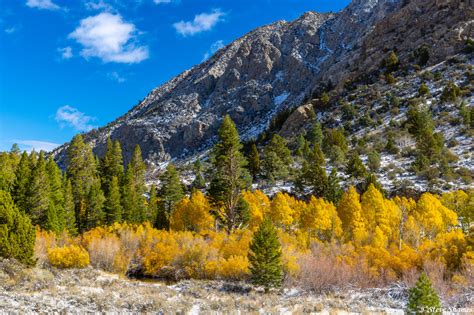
{"type": "Point", "coordinates": [72, 117]}
{"type": "Point", "coordinates": [164, 1]}
{"type": "Point", "coordinates": [98, 5]}
{"type": "Point", "coordinates": [108, 37]}
{"type": "Point", "coordinates": [201, 22]}
{"type": "Point", "coordinates": [214, 47]}
{"type": "Point", "coordinates": [66, 52]}
{"type": "Point", "coordinates": [42, 4]}
{"type": "Point", "coordinates": [115, 76]}
{"type": "Point", "coordinates": [10, 30]}
{"type": "Point", "coordinates": [36, 145]}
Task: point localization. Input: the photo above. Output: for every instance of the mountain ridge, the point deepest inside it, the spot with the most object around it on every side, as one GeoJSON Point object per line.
{"type": "Point", "coordinates": [272, 68]}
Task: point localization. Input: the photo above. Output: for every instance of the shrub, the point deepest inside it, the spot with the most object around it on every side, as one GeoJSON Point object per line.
{"type": "Point", "coordinates": [451, 92]}
{"type": "Point", "coordinates": [71, 256]}
{"type": "Point", "coordinates": [17, 234]}
{"type": "Point", "coordinates": [423, 298]}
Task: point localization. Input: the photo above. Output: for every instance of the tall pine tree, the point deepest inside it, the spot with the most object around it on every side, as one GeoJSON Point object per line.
{"type": "Point", "coordinates": [113, 205]}
{"type": "Point", "coordinates": [38, 193]}
{"type": "Point", "coordinates": [230, 177]}
{"type": "Point", "coordinates": [82, 170]}
{"type": "Point", "coordinates": [22, 180]}
{"type": "Point", "coordinates": [277, 159]}
{"type": "Point", "coordinates": [133, 191]}
{"type": "Point", "coordinates": [171, 192]}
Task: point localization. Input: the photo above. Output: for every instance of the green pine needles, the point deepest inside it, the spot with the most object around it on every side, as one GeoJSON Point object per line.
{"type": "Point", "coordinates": [265, 257]}
{"type": "Point", "coordinates": [423, 298]}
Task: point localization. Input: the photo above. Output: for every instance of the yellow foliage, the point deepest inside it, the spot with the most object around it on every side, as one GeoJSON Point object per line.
{"type": "Point", "coordinates": [433, 217]}
{"type": "Point", "coordinates": [281, 213]}
{"type": "Point", "coordinates": [319, 219]}
{"type": "Point", "coordinates": [259, 205]}
{"type": "Point", "coordinates": [72, 256]}
{"type": "Point", "coordinates": [233, 268]}
{"type": "Point", "coordinates": [192, 214]}
{"type": "Point", "coordinates": [350, 213]}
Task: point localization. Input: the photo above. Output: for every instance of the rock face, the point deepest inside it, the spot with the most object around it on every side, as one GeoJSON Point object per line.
{"type": "Point", "coordinates": [269, 69]}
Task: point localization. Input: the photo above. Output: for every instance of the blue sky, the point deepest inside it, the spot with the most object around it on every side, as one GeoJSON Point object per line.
{"type": "Point", "coordinates": [69, 66]}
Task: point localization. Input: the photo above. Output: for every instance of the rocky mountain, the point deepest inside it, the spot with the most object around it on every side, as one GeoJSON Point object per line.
{"type": "Point", "coordinates": [280, 66]}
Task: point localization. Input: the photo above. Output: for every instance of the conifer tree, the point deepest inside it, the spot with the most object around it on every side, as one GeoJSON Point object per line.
{"type": "Point", "coordinates": [152, 210]}
{"type": "Point", "coordinates": [254, 161]}
{"type": "Point", "coordinates": [133, 199]}
{"type": "Point", "coordinates": [56, 191]}
{"type": "Point", "coordinates": [355, 168]}
{"type": "Point", "coordinates": [113, 205]}
{"type": "Point", "coordinates": [230, 177]}
{"type": "Point", "coordinates": [22, 180]}
{"type": "Point", "coordinates": [69, 216]}
{"type": "Point", "coordinates": [52, 221]}
{"type": "Point", "coordinates": [199, 181]}
{"type": "Point", "coordinates": [277, 159]}
{"type": "Point", "coordinates": [171, 191]}
{"type": "Point", "coordinates": [265, 257]}
{"type": "Point", "coordinates": [312, 177]}
{"type": "Point", "coordinates": [82, 171]}
{"type": "Point", "coordinates": [333, 191]}
{"type": "Point", "coordinates": [38, 192]}
{"type": "Point", "coordinates": [95, 207]}
{"type": "Point", "coordinates": [17, 234]}
{"type": "Point", "coordinates": [111, 164]}
{"type": "Point", "coordinates": [422, 298]}
{"type": "Point", "coordinates": [316, 135]}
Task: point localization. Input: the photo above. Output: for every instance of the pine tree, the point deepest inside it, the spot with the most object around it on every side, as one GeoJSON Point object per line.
{"type": "Point", "coordinates": [312, 177]}
{"type": "Point", "coordinates": [52, 222]}
{"type": "Point", "coordinates": [17, 234]}
{"type": "Point", "coordinates": [111, 164]}
{"type": "Point", "coordinates": [38, 193]}
{"type": "Point", "coordinates": [333, 191]}
{"type": "Point", "coordinates": [278, 160]}
{"type": "Point", "coordinates": [95, 207]}
{"type": "Point", "coordinates": [22, 180]}
{"type": "Point", "coordinates": [254, 161]}
{"type": "Point", "coordinates": [113, 205]}
{"type": "Point", "coordinates": [171, 191]}
{"type": "Point", "coordinates": [230, 177]}
{"type": "Point", "coordinates": [199, 181]}
{"type": "Point", "coordinates": [134, 201]}
{"type": "Point", "coordinates": [69, 216]}
{"type": "Point", "coordinates": [355, 168]}
{"type": "Point", "coordinates": [152, 210]}
{"type": "Point", "coordinates": [82, 171]}
{"type": "Point", "coordinates": [56, 192]}
{"type": "Point", "coordinates": [423, 298]}
{"type": "Point", "coordinates": [316, 135]}
{"type": "Point", "coordinates": [265, 257]}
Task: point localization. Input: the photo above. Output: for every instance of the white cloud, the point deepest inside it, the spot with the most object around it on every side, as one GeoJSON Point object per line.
{"type": "Point", "coordinates": [98, 5]}
{"type": "Point", "coordinates": [108, 37]}
{"type": "Point", "coordinates": [201, 22]}
{"type": "Point", "coordinates": [163, 1]}
{"type": "Point", "coordinates": [70, 116]}
{"type": "Point", "coordinates": [66, 52]}
{"type": "Point", "coordinates": [10, 30]}
{"type": "Point", "coordinates": [30, 145]}
{"type": "Point", "coordinates": [42, 4]}
{"type": "Point", "coordinates": [115, 76]}
{"type": "Point", "coordinates": [214, 47]}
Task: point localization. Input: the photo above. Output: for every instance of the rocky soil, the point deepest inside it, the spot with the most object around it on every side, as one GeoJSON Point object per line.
{"type": "Point", "coordinates": [48, 290]}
